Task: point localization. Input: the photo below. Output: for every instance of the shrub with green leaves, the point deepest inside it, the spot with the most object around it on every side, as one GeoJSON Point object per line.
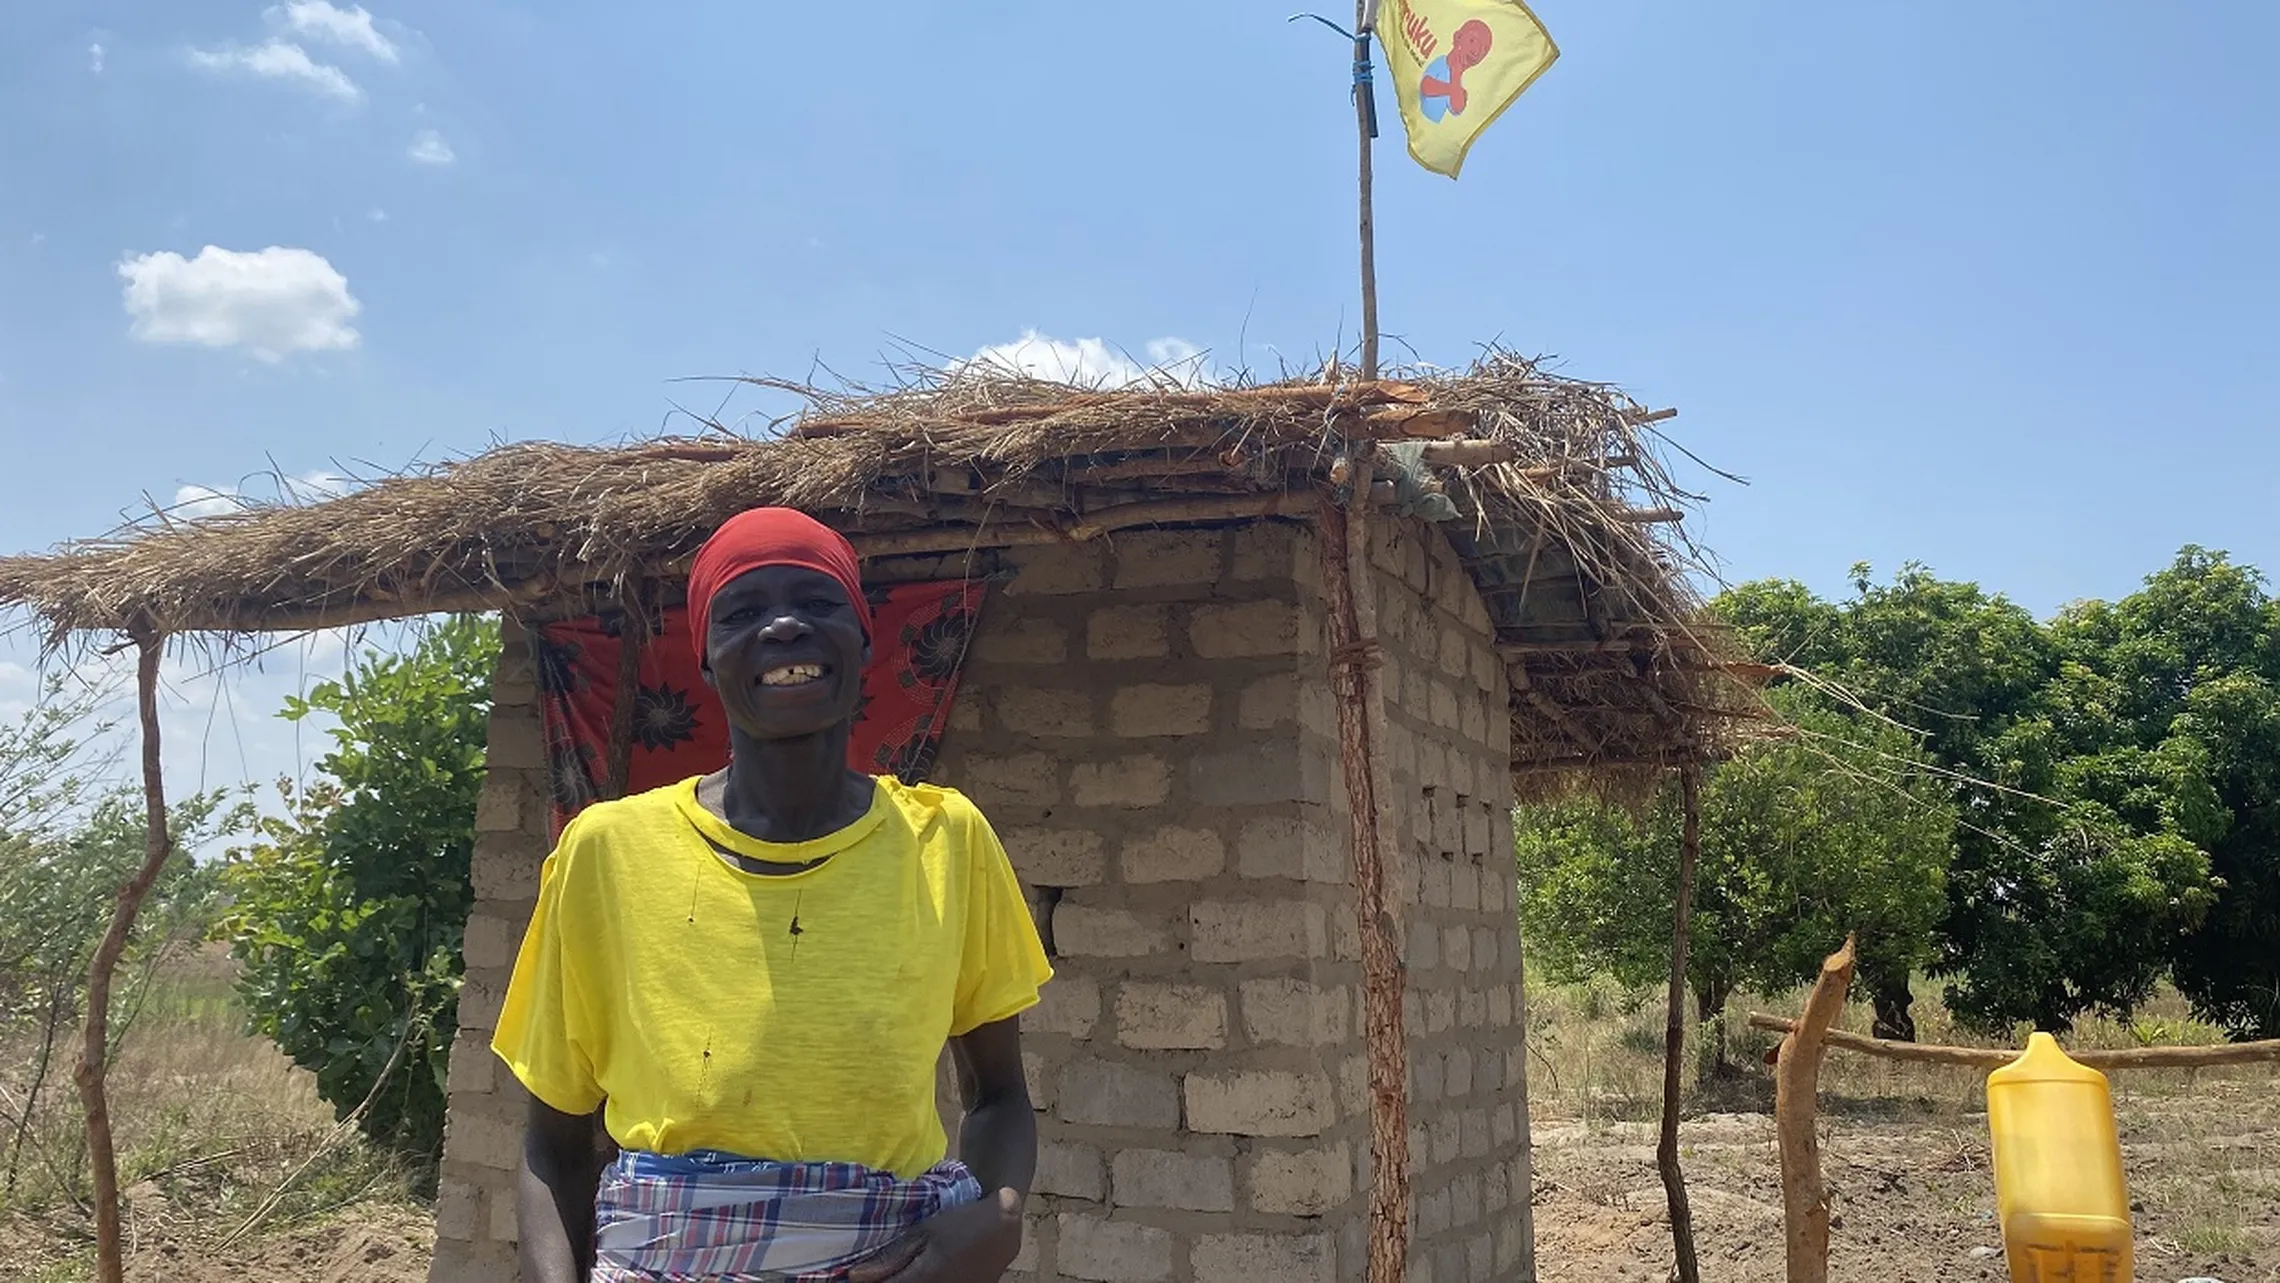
{"type": "Point", "coordinates": [348, 910]}
{"type": "Point", "coordinates": [1838, 830]}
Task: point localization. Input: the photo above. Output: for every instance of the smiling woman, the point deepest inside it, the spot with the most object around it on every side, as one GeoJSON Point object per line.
{"type": "Point", "coordinates": [749, 977]}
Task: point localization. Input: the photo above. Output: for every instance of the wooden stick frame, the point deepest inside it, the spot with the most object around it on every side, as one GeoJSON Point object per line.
{"type": "Point", "coordinates": [1674, 1033]}
{"type": "Point", "coordinates": [1796, 1100]}
{"type": "Point", "coordinates": [1343, 539]}
{"type": "Point", "coordinates": [2233, 1053]}
{"type": "Point", "coordinates": [94, 1051]}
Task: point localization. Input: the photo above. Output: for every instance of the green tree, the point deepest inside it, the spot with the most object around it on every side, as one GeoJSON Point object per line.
{"type": "Point", "coordinates": [2171, 700]}
{"type": "Point", "coordinates": [56, 896]}
{"type": "Point", "coordinates": [349, 909]}
{"type": "Point", "coordinates": [1946, 659]}
{"type": "Point", "coordinates": [1836, 831]}
{"type": "Point", "coordinates": [51, 757]}
{"type": "Point", "coordinates": [2078, 860]}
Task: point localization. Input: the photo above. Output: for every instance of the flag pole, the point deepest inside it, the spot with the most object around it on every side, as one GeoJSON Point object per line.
{"type": "Point", "coordinates": [1365, 123]}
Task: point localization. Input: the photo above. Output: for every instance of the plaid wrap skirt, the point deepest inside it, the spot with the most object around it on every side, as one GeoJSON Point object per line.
{"type": "Point", "coordinates": [714, 1218]}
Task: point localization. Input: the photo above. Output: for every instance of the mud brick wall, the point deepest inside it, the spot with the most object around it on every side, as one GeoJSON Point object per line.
{"type": "Point", "coordinates": [482, 1145]}
{"type": "Point", "coordinates": [1131, 720]}
{"type": "Point", "coordinates": [1147, 722]}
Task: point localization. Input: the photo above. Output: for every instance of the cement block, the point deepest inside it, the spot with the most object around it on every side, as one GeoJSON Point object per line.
{"type": "Point", "coordinates": [1027, 641]}
{"type": "Point", "coordinates": [1161, 1017]}
{"type": "Point", "coordinates": [1127, 782]}
{"type": "Point", "coordinates": [1260, 1102]}
{"type": "Point", "coordinates": [1173, 855]}
{"type": "Point", "coordinates": [1056, 857]}
{"type": "Point", "coordinates": [1085, 931]}
{"type": "Point", "coordinates": [1301, 1182]}
{"type": "Point", "coordinates": [1044, 713]}
{"type": "Point", "coordinates": [1251, 930]}
{"type": "Point", "coordinates": [1100, 1250]}
{"type": "Point", "coordinates": [1129, 632]}
{"type": "Point", "coordinates": [1266, 1258]}
{"type": "Point", "coordinates": [1108, 1093]}
{"type": "Point", "coordinates": [1168, 559]}
{"type": "Point", "coordinates": [1144, 712]}
{"type": "Point", "coordinates": [1172, 1179]}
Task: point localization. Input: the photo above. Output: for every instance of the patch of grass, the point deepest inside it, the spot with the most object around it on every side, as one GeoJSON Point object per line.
{"type": "Point", "coordinates": [209, 1122]}
{"type": "Point", "coordinates": [2213, 1239]}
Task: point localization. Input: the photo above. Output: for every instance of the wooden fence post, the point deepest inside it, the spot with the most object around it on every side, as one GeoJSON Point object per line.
{"type": "Point", "coordinates": [1796, 1104]}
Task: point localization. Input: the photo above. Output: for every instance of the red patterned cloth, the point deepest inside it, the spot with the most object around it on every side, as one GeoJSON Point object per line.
{"type": "Point", "coordinates": [919, 641]}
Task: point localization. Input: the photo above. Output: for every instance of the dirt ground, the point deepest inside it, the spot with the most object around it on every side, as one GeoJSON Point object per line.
{"type": "Point", "coordinates": [1913, 1203]}
{"type": "Point", "coordinates": [1913, 1195]}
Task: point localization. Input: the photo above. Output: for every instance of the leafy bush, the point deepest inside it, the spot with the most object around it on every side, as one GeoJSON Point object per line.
{"type": "Point", "coordinates": [66, 847]}
{"type": "Point", "coordinates": [1802, 842]}
{"type": "Point", "coordinates": [348, 910]}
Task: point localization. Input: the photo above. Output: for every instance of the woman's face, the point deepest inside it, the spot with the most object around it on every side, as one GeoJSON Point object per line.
{"type": "Point", "coordinates": [785, 651]}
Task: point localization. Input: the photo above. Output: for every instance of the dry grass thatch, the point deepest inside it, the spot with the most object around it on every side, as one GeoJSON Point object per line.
{"type": "Point", "coordinates": [1563, 514]}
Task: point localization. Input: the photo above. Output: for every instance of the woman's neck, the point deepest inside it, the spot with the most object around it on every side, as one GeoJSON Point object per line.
{"type": "Point", "coordinates": [790, 790]}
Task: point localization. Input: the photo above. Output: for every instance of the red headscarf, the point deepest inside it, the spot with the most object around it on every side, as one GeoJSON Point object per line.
{"type": "Point", "coordinates": [769, 537]}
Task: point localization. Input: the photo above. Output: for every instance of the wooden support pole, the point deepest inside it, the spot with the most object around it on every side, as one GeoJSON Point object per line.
{"type": "Point", "coordinates": [1092, 525]}
{"type": "Point", "coordinates": [2232, 1053]}
{"type": "Point", "coordinates": [1344, 545]}
{"type": "Point", "coordinates": [94, 1050]}
{"type": "Point", "coordinates": [1365, 113]}
{"type": "Point", "coordinates": [1796, 1102]}
{"type": "Point", "coordinates": [1674, 1031]}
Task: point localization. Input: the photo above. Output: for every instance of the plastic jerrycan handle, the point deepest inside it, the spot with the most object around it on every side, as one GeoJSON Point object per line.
{"type": "Point", "coordinates": [2059, 1192]}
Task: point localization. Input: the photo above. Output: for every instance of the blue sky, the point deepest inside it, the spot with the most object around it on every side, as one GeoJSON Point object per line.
{"type": "Point", "coordinates": [1986, 286]}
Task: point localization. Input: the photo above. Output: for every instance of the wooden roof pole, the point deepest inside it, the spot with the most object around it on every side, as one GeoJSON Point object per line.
{"type": "Point", "coordinates": [1343, 540]}
{"type": "Point", "coordinates": [94, 1051]}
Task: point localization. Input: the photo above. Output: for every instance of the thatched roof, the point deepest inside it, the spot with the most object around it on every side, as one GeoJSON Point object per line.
{"type": "Point", "coordinates": [1550, 490]}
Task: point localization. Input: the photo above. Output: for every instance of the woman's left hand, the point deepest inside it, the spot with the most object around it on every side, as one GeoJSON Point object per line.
{"type": "Point", "coordinates": [970, 1244]}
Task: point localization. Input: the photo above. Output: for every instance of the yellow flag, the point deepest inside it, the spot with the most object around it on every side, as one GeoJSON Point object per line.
{"type": "Point", "coordinates": [1457, 64]}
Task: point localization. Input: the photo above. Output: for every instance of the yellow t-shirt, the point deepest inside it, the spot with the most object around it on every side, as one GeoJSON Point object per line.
{"type": "Point", "coordinates": [796, 1017]}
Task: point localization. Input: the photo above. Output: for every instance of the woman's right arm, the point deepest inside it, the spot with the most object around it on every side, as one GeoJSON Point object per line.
{"type": "Point", "coordinates": [554, 1194]}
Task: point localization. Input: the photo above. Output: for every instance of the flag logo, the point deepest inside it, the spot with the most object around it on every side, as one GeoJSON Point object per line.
{"type": "Point", "coordinates": [1457, 64]}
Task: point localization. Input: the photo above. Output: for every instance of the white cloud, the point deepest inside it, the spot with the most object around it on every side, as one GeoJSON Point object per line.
{"type": "Point", "coordinates": [281, 60]}
{"type": "Point", "coordinates": [270, 302]}
{"type": "Point", "coordinates": [1174, 353]}
{"type": "Point", "coordinates": [378, 215]}
{"type": "Point", "coordinates": [312, 486]}
{"type": "Point", "coordinates": [320, 20]}
{"type": "Point", "coordinates": [19, 690]}
{"type": "Point", "coordinates": [95, 57]}
{"type": "Point", "coordinates": [1093, 363]}
{"type": "Point", "coordinates": [193, 502]}
{"type": "Point", "coordinates": [428, 148]}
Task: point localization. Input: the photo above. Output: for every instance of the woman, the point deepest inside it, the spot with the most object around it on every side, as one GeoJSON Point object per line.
{"type": "Point", "coordinates": [749, 977]}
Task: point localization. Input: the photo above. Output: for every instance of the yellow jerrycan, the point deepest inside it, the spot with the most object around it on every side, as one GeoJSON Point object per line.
{"type": "Point", "coordinates": [2059, 1193]}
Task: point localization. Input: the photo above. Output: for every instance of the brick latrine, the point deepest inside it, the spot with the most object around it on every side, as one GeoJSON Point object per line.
{"type": "Point", "coordinates": [1148, 723]}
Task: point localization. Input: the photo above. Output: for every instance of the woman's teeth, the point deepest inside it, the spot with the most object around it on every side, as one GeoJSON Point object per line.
{"type": "Point", "coordinates": [791, 675]}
